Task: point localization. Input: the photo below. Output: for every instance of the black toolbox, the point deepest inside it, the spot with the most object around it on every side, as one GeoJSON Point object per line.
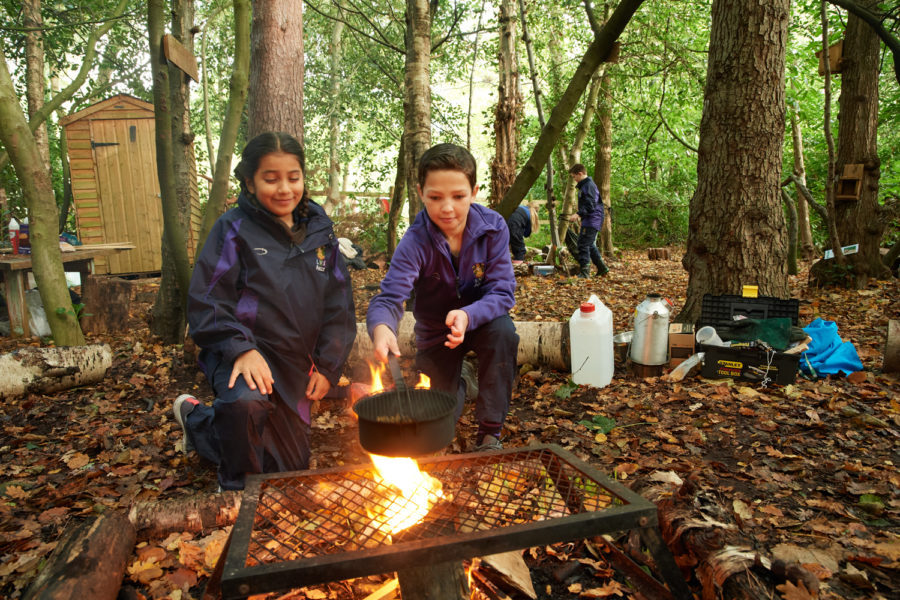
{"type": "Point", "coordinates": [747, 361]}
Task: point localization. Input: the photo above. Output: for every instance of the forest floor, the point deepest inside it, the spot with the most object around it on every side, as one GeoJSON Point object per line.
{"type": "Point", "coordinates": [805, 472]}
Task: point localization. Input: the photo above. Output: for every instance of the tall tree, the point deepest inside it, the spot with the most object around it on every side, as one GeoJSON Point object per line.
{"type": "Point", "coordinates": [509, 107]}
{"type": "Point", "coordinates": [603, 160]}
{"type": "Point", "coordinates": [37, 189]}
{"type": "Point", "coordinates": [737, 231]}
{"type": "Point", "coordinates": [334, 121]}
{"type": "Point", "coordinates": [417, 94]}
{"type": "Point", "coordinates": [237, 98]}
{"type": "Point", "coordinates": [173, 153]}
{"type": "Point", "coordinates": [804, 229]}
{"type": "Point", "coordinates": [861, 221]}
{"type": "Point", "coordinates": [276, 68]}
{"type": "Point", "coordinates": [34, 71]}
{"type": "Point", "coordinates": [596, 53]}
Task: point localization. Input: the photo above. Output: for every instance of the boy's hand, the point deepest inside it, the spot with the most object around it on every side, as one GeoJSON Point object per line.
{"type": "Point", "coordinates": [318, 386]}
{"type": "Point", "coordinates": [457, 320]}
{"type": "Point", "coordinates": [255, 370]}
{"type": "Point", "coordinates": [385, 341]}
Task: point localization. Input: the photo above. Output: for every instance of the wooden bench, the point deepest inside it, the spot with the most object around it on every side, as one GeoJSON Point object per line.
{"type": "Point", "coordinates": [14, 269]}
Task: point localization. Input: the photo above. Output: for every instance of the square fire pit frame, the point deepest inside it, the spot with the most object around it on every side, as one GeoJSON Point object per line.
{"type": "Point", "coordinates": [626, 511]}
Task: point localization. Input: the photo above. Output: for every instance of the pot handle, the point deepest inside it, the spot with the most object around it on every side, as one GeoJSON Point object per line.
{"type": "Point", "coordinates": [396, 373]}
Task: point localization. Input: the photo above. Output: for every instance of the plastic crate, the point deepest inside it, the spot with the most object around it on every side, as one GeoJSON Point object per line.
{"type": "Point", "coordinates": [716, 310]}
{"type": "Point", "coordinates": [751, 364]}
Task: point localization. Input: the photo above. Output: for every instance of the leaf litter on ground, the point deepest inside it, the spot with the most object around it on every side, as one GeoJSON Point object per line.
{"type": "Point", "coordinates": [811, 465]}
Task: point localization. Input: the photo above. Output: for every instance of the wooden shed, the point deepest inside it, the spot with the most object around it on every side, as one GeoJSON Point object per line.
{"type": "Point", "coordinates": [115, 188]}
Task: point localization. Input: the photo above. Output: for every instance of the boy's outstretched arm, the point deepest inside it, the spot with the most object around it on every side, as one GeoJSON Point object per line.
{"type": "Point", "coordinates": [385, 341]}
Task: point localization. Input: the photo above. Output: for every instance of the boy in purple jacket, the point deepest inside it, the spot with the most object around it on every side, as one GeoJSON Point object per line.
{"type": "Point", "coordinates": [455, 257]}
{"type": "Point", "coordinates": [590, 213]}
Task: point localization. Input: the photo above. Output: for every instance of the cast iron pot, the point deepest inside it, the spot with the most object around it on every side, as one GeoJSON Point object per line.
{"type": "Point", "coordinates": [404, 421]}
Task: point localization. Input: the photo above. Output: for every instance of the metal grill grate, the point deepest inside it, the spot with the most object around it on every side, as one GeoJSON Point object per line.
{"type": "Point", "coordinates": [317, 526]}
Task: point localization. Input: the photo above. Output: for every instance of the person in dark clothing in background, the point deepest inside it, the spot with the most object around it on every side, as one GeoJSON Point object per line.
{"type": "Point", "coordinates": [590, 213]}
{"type": "Point", "coordinates": [519, 223]}
{"type": "Point", "coordinates": [271, 307]}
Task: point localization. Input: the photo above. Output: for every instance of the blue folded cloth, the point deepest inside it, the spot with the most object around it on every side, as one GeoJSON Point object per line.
{"type": "Point", "coordinates": [827, 353]}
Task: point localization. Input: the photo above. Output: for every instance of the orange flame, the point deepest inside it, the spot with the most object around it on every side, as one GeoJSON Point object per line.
{"type": "Point", "coordinates": [376, 370]}
{"type": "Point", "coordinates": [418, 492]}
{"type": "Point", "coordinates": [424, 382]}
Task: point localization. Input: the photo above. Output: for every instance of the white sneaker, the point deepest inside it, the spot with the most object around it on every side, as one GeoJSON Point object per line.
{"type": "Point", "coordinates": [181, 408]}
{"type": "Point", "coordinates": [489, 442]}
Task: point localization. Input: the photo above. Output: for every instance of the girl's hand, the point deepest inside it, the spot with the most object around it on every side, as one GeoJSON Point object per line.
{"type": "Point", "coordinates": [317, 387]}
{"type": "Point", "coordinates": [255, 370]}
{"type": "Point", "coordinates": [457, 320]}
{"type": "Point", "coordinates": [384, 340]}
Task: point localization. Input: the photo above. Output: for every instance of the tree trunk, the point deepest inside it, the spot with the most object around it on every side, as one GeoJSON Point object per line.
{"type": "Point", "coordinates": [595, 54]}
{"type": "Point", "coordinates": [204, 84]}
{"type": "Point", "coordinates": [603, 161]}
{"type": "Point", "coordinates": [416, 94]}
{"type": "Point", "coordinates": [507, 206]}
{"type": "Point", "coordinates": [737, 230]}
{"type": "Point", "coordinates": [175, 256]}
{"type": "Point", "coordinates": [66, 203]}
{"type": "Point", "coordinates": [37, 189]}
{"type": "Point", "coordinates": [34, 72]}
{"type": "Point", "coordinates": [544, 343]}
{"type": "Point", "coordinates": [804, 229]}
{"type": "Point", "coordinates": [791, 231]}
{"type": "Point", "coordinates": [861, 222]}
{"type": "Point", "coordinates": [237, 98]}
{"type": "Point", "coordinates": [397, 198]}
{"type": "Point", "coordinates": [88, 562]}
{"type": "Point", "coordinates": [509, 108]}
{"type": "Point", "coordinates": [37, 370]}
{"type": "Point", "coordinates": [334, 122]}
{"type": "Point", "coordinates": [276, 68]}
{"type": "Point", "coordinates": [169, 316]}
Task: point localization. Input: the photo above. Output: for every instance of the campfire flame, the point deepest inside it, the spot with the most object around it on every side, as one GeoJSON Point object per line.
{"type": "Point", "coordinates": [424, 382]}
{"type": "Point", "coordinates": [376, 369]}
{"type": "Point", "coordinates": [418, 491]}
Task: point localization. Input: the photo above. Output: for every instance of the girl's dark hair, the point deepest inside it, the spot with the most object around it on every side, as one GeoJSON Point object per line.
{"type": "Point", "coordinates": [267, 143]}
{"type": "Point", "coordinates": [447, 157]}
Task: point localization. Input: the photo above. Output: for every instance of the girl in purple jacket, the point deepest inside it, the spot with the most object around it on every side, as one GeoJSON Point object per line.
{"type": "Point", "coordinates": [455, 257]}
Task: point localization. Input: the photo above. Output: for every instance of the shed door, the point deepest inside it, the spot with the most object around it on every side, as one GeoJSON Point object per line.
{"type": "Point", "coordinates": [125, 160]}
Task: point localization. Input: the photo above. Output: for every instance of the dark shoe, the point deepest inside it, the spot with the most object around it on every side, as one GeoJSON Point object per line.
{"type": "Point", "coordinates": [489, 442]}
{"type": "Point", "coordinates": [469, 376]}
{"type": "Point", "coordinates": [602, 272]}
{"type": "Point", "coordinates": [181, 408]}
{"type": "Point", "coordinates": [585, 272]}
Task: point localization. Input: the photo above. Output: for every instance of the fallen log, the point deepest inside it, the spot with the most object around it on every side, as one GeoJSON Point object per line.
{"type": "Point", "coordinates": [544, 343]}
{"type": "Point", "coordinates": [43, 370]}
{"type": "Point", "coordinates": [156, 520]}
{"type": "Point", "coordinates": [88, 562]}
{"type": "Point", "coordinates": [704, 537]}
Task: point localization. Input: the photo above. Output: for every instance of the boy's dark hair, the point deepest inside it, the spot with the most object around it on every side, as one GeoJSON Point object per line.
{"type": "Point", "coordinates": [577, 168]}
{"type": "Point", "coordinates": [447, 157]}
{"type": "Point", "coordinates": [263, 144]}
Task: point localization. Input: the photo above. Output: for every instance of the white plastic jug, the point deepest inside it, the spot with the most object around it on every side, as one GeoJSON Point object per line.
{"type": "Point", "coordinates": [591, 343]}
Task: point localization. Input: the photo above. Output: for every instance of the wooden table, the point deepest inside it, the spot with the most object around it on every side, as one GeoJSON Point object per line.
{"type": "Point", "coordinates": [14, 269]}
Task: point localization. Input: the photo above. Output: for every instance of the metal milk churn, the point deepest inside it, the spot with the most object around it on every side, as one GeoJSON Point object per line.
{"type": "Point", "coordinates": [650, 343]}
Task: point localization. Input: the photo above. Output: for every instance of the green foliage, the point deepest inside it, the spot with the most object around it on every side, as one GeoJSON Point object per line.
{"type": "Point", "coordinates": [566, 389]}
{"type": "Point", "coordinates": [600, 423]}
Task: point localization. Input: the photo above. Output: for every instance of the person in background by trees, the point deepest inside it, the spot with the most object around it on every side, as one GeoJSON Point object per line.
{"type": "Point", "coordinates": [519, 223]}
{"type": "Point", "coordinates": [590, 214]}
{"type": "Point", "coordinates": [456, 258]}
{"type": "Point", "coordinates": [271, 307]}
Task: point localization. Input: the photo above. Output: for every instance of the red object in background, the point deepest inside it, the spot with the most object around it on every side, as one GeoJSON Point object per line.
{"type": "Point", "coordinates": [14, 235]}
{"type": "Point", "coordinates": [385, 204]}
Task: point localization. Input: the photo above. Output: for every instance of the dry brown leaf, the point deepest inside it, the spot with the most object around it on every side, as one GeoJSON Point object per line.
{"type": "Point", "coordinates": [789, 591]}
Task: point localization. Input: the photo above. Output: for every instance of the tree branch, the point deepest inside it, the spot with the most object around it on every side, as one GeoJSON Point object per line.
{"type": "Point", "coordinates": [873, 21]}
{"type": "Point", "coordinates": [381, 42]}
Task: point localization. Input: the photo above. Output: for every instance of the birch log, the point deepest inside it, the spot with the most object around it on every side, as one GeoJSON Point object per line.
{"type": "Point", "coordinates": [544, 343]}
{"type": "Point", "coordinates": [43, 370]}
